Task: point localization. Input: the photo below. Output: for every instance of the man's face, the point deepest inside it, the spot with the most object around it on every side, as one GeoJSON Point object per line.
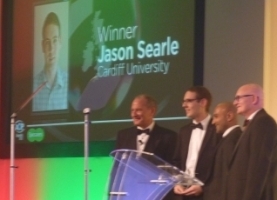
{"type": "Point", "coordinates": [243, 100]}
{"type": "Point", "coordinates": [191, 104]}
{"type": "Point", "coordinates": [51, 45]}
{"type": "Point", "coordinates": [220, 119]}
{"type": "Point", "coordinates": [141, 114]}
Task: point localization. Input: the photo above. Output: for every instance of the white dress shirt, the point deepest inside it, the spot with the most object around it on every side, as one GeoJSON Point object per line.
{"type": "Point", "coordinates": [195, 143]}
{"type": "Point", "coordinates": [229, 130]}
{"type": "Point", "coordinates": [253, 115]}
{"type": "Point", "coordinates": [143, 138]}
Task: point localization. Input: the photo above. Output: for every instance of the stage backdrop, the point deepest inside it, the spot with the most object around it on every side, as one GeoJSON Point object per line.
{"type": "Point", "coordinates": [106, 52]}
{"type": "Point", "coordinates": [97, 55]}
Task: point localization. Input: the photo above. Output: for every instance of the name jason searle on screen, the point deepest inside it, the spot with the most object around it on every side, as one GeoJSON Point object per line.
{"type": "Point", "coordinates": [145, 50]}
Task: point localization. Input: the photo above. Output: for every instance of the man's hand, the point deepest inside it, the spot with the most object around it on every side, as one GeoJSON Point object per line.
{"type": "Point", "coordinates": [194, 190]}
{"type": "Point", "coordinates": [179, 189]}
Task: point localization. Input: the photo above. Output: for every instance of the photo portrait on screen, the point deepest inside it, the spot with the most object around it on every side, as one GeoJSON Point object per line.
{"type": "Point", "coordinates": [50, 57]}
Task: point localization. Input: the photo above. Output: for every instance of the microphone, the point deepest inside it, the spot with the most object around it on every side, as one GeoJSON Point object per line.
{"type": "Point", "coordinates": [30, 97]}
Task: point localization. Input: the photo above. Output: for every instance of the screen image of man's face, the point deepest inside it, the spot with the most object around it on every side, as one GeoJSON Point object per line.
{"type": "Point", "coordinates": [51, 45]}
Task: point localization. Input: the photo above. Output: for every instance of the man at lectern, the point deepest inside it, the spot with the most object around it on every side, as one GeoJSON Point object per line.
{"type": "Point", "coordinates": [146, 135]}
{"type": "Point", "coordinates": [197, 141]}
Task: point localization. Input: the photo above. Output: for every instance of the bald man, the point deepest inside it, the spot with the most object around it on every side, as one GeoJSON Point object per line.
{"type": "Point", "coordinates": [250, 166]}
{"type": "Point", "coordinates": [225, 121]}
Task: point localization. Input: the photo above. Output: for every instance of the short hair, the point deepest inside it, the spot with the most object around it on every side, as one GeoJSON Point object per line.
{"type": "Point", "coordinates": [150, 101]}
{"type": "Point", "coordinates": [51, 18]}
{"type": "Point", "coordinates": [202, 93]}
{"type": "Point", "coordinates": [228, 106]}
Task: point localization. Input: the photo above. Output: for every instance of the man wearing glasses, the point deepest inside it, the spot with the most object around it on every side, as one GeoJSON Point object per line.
{"type": "Point", "coordinates": [250, 169]}
{"type": "Point", "coordinates": [197, 141]}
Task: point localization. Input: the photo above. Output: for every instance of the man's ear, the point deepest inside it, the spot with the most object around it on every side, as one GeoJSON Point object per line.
{"type": "Point", "coordinates": [203, 102]}
{"type": "Point", "coordinates": [256, 99]}
{"type": "Point", "coordinates": [153, 110]}
{"type": "Point", "coordinates": [229, 116]}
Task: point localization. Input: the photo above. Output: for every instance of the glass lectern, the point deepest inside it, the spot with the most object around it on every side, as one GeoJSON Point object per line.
{"type": "Point", "coordinates": [140, 175]}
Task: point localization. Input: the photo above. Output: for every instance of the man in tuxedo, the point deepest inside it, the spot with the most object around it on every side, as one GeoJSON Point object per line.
{"type": "Point", "coordinates": [197, 141]}
{"type": "Point", "coordinates": [225, 121]}
{"type": "Point", "coordinates": [250, 169]}
{"type": "Point", "coordinates": [146, 134]}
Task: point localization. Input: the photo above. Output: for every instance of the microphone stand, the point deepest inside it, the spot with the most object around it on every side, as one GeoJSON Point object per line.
{"type": "Point", "coordinates": [12, 144]}
{"type": "Point", "coordinates": [86, 112]}
{"type": "Point", "coordinates": [12, 149]}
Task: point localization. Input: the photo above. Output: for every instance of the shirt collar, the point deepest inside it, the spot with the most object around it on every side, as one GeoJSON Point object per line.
{"type": "Point", "coordinates": [150, 127]}
{"type": "Point", "coordinates": [229, 130]}
{"type": "Point", "coordinates": [253, 115]}
{"type": "Point", "coordinates": [58, 80]}
{"type": "Point", "coordinates": [205, 122]}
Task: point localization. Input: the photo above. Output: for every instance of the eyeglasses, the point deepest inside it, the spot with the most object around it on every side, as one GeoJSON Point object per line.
{"type": "Point", "coordinates": [238, 97]}
{"type": "Point", "coordinates": [190, 100]}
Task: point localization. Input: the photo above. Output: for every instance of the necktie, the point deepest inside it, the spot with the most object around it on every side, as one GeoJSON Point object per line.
{"type": "Point", "coordinates": [245, 123]}
{"type": "Point", "coordinates": [199, 125]}
{"type": "Point", "coordinates": [140, 131]}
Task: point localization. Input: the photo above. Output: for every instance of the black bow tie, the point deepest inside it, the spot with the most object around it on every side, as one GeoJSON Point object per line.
{"type": "Point", "coordinates": [140, 131]}
{"type": "Point", "coordinates": [199, 125]}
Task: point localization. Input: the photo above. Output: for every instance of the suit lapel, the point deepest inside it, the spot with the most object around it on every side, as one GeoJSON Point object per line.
{"type": "Point", "coordinates": [132, 140]}
{"type": "Point", "coordinates": [244, 133]}
{"type": "Point", "coordinates": [237, 145]}
{"type": "Point", "coordinates": [185, 144]}
{"type": "Point", "coordinates": [224, 138]}
{"type": "Point", "coordinates": [153, 140]}
{"type": "Point", "coordinates": [209, 133]}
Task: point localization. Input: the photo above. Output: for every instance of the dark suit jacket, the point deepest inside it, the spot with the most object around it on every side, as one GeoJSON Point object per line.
{"type": "Point", "coordinates": [161, 142]}
{"type": "Point", "coordinates": [215, 186]}
{"type": "Point", "coordinates": [206, 154]}
{"type": "Point", "coordinates": [252, 159]}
